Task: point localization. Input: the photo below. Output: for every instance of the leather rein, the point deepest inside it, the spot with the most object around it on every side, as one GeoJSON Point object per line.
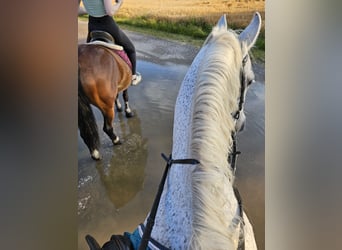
{"type": "Point", "coordinates": [232, 157]}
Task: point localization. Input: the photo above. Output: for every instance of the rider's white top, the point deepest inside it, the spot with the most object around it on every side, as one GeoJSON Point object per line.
{"type": "Point", "coordinates": [95, 8]}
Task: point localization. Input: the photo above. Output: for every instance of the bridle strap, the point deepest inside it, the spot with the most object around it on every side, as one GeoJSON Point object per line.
{"type": "Point", "coordinates": [150, 220]}
{"type": "Point", "coordinates": [171, 161]}
{"type": "Point", "coordinates": [236, 116]}
{"type": "Point", "coordinates": [242, 90]}
{"type": "Point", "coordinates": [232, 157]}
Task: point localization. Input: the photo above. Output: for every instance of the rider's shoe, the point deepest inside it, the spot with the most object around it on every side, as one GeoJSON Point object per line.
{"type": "Point", "coordinates": [136, 78]}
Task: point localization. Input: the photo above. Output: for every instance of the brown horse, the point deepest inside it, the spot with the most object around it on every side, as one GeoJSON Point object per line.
{"type": "Point", "coordinates": [102, 74]}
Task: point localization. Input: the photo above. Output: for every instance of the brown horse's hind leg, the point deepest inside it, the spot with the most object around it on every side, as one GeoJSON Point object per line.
{"type": "Point", "coordinates": [128, 110]}
{"type": "Point", "coordinates": [108, 116]}
{"type": "Point", "coordinates": [87, 125]}
{"type": "Point", "coordinates": [118, 103]}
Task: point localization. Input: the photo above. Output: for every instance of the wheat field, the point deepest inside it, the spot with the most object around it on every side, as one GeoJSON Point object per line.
{"type": "Point", "coordinates": [238, 12]}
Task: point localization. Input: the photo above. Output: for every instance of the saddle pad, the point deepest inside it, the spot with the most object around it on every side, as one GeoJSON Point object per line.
{"type": "Point", "coordinates": [114, 48]}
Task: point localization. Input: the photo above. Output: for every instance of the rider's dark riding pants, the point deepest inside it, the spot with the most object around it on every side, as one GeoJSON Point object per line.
{"type": "Point", "coordinates": [107, 23]}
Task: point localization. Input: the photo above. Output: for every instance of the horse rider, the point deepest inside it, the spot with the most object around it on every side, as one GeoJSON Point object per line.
{"type": "Point", "coordinates": [101, 14]}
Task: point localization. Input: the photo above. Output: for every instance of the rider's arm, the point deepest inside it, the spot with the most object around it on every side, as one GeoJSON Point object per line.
{"type": "Point", "coordinates": [111, 9]}
{"type": "Point", "coordinates": [81, 9]}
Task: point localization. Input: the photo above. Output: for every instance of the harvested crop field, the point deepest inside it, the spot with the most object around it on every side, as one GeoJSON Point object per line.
{"type": "Point", "coordinates": [239, 12]}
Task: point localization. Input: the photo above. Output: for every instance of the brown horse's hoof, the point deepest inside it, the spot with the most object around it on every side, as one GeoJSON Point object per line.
{"type": "Point", "coordinates": [117, 141]}
{"type": "Point", "coordinates": [129, 114]}
{"type": "Point", "coordinates": [95, 155]}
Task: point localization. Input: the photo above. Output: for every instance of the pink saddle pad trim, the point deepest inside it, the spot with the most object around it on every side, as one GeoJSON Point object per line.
{"type": "Point", "coordinates": [124, 56]}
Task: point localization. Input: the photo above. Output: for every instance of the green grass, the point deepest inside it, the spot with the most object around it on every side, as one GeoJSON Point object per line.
{"type": "Point", "coordinates": [83, 17]}
{"type": "Point", "coordinates": [191, 30]}
{"type": "Point", "coordinates": [258, 50]}
{"type": "Point", "coordinates": [193, 27]}
{"type": "Point", "coordinates": [197, 42]}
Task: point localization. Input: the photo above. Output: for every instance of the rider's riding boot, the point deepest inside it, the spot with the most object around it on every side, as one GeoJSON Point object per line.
{"type": "Point", "coordinates": [136, 78]}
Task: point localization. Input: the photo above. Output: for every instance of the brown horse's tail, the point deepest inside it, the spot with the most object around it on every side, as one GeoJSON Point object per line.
{"type": "Point", "coordinates": [86, 120]}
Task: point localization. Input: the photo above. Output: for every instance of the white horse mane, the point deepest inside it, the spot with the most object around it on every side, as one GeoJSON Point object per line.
{"type": "Point", "coordinates": [198, 208]}
{"type": "Point", "coordinates": [216, 95]}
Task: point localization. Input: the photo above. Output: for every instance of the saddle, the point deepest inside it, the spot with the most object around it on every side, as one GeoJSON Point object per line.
{"type": "Point", "coordinates": [103, 38]}
{"type": "Point", "coordinates": [99, 35]}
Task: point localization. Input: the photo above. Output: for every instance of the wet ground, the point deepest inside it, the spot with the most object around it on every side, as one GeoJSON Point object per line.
{"type": "Point", "coordinates": [115, 194]}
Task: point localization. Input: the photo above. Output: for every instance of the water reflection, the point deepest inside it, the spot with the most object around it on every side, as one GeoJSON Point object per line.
{"type": "Point", "coordinates": [123, 175]}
